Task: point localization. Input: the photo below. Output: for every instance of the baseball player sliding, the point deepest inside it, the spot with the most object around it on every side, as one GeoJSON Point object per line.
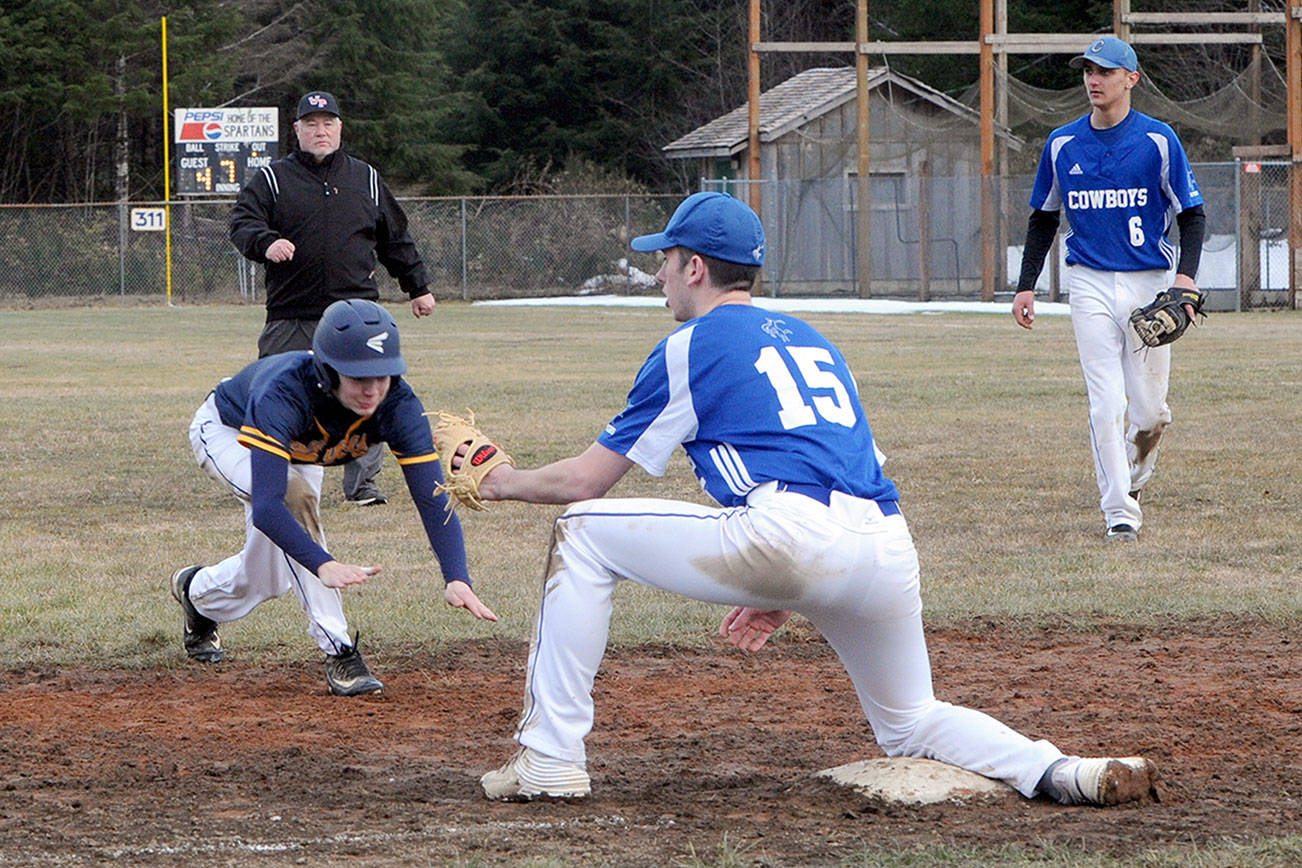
{"type": "Point", "coordinates": [1121, 176]}
{"type": "Point", "coordinates": [265, 435]}
{"type": "Point", "coordinates": [771, 420]}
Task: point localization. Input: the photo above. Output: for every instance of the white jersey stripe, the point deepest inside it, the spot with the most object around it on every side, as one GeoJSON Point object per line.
{"type": "Point", "coordinates": [677, 422]}
{"type": "Point", "coordinates": [1053, 201]}
{"type": "Point", "coordinates": [742, 472]}
{"type": "Point", "coordinates": [732, 468]}
{"type": "Point", "coordinates": [271, 181]}
{"type": "Point", "coordinates": [375, 186]}
{"type": "Point", "coordinates": [725, 471]}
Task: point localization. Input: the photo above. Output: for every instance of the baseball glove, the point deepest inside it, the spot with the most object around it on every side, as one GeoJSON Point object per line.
{"type": "Point", "coordinates": [481, 455]}
{"type": "Point", "coordinates": [1164, 319]}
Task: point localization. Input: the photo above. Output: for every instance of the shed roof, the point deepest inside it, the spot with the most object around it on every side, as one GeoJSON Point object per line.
{"type": "Point", "coordinates": [800, 99]}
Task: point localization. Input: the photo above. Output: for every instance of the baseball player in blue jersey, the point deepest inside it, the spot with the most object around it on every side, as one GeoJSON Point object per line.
{"type": "Point", "coordinates": [1122, 177]}
{"type": "Point", "coordinates": [265, 435]}
{"type": "Point", "coordinates": [771, 420]}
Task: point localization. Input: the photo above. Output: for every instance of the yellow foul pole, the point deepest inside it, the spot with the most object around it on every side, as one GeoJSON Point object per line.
{"type": "Point", "coordinates": [167, 174]}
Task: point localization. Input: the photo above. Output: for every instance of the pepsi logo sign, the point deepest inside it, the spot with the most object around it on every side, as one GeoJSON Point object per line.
{"type": "Point", "coordinates": [195, 131]}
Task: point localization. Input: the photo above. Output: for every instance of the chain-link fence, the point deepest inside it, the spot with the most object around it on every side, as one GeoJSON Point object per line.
{"type": "Point", "coordinates": [926, 243]}
{"type": "Point", "coordinates": [474, 247]}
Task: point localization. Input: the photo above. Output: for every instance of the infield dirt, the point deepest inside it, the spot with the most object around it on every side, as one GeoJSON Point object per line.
{"type": "Point", "coordinates": [244, 763]}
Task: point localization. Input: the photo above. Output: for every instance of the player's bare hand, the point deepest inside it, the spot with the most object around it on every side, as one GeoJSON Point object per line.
{"type": "Point", "coordinates": [749, 628]}
{"type": "Point", "coordinates": [281, 250]}
{"type": "Point", "coordinates": [336, 575]}
{"type": "Point", "coordinates": [422, 305]}
{"type": "Point", "coordinates": [459, 595]}
{"type": "Point", "coordinates": [1024, 308]}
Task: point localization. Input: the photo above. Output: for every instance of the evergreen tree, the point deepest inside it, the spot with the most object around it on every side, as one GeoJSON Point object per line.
{"type": "Point", "coordinates": [382, 62]}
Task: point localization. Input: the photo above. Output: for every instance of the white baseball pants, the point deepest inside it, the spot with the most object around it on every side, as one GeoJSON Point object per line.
{"type": "Point", "coordinates": [1125, 381]}
{"type": "Point", "coordinates": [232, 588]}
{"type": "Point", "coordinates": [848, 567]}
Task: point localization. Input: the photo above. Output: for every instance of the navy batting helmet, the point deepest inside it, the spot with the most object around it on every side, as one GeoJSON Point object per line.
{"type": "Point", "coordinates": [358, 338]}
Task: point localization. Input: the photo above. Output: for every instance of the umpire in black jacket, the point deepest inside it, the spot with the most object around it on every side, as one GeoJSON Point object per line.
{"type": "Point", "coordinates": [320, 221]}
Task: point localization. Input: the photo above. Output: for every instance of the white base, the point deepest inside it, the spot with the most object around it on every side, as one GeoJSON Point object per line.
{"type": "Point", "coordinates": [908, 781]}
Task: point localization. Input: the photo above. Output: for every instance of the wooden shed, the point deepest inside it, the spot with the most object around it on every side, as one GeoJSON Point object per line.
{"type": "Point", "coordinates": [925, 155]}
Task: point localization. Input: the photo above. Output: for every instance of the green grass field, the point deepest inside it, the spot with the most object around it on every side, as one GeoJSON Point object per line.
{"type": "Point", "coordinates": [983, 423]}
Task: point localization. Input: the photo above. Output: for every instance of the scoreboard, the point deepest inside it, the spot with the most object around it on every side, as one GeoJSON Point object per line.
{"type": "Point", "coordinates": [217, 148]}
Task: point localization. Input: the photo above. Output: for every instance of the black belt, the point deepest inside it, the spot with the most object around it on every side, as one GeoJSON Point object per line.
{"type": "Point", "coordinates": [824, 496]}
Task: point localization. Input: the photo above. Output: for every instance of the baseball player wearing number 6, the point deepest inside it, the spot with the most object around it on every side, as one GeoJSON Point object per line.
{"type": "Point", "coordinates": [1121, 176]}
{"type": "Point", "coordinates": [265, 436]}
{"type": "Point", "coordinates": [771, 420]}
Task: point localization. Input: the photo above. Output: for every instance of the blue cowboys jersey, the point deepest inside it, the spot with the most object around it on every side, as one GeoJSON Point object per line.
{"type": "Point", "coordinates": [753, 397]}
{"type": "Point", "coordinates": [1120, 187]}
{"type": "Point", "coordinates": [276, 405]}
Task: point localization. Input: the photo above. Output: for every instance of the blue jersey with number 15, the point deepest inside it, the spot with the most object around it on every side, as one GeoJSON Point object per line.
{"type": "Point", "coordinates": [753, 396]}
{"type": "Point", "coordinates": [1120, 188]}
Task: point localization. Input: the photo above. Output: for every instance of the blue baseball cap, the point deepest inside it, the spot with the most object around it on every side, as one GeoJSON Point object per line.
{"type": "Point", "coordinates": [1109, 53]}
{"type": "Point", "coordinates": [714, 225]}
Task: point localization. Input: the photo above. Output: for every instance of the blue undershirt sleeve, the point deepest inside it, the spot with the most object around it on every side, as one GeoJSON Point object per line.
{"type": "Point", "coordinates": [272, 517]}
{"type": "Point", "coordinates": [445, 537]}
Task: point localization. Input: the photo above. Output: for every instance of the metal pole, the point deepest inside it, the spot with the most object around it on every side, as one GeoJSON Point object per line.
{"type": "Point", "coordinates": [122, 249]}
{"type": "Point", "coordinates": [465, 270]}
{"type": "Point", "coordinates": [1293, 74]}
{"type": "Point", "coordinates": [1241, 236]}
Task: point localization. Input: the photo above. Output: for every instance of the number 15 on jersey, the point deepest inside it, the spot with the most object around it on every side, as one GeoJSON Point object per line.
{"type": "Point", "coordinates": [795, 413]}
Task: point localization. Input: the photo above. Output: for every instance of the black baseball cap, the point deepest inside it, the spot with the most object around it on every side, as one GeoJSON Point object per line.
{"type": "Point", "coordinates": [317, 101]}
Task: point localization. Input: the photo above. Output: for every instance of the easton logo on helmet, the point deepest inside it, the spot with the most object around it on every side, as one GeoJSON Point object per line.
{"type": "Point", "coordinates": [482, 454]}
{"type": "Point", "coordinates": [377, 343]}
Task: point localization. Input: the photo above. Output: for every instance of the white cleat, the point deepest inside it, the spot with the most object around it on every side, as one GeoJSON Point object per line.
{"type": "Point", "coordinates": [531, 775]}
{"type": "Point", "coordinates": [1100, 780]}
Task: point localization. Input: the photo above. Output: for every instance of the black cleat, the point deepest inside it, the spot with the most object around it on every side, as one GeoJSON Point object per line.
{"type": "Point", "coordinates": [347, 673]}
{"type": "Point", "coordinates": [201, 640]}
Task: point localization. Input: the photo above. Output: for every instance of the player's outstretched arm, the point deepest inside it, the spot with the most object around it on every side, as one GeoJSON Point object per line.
{"type": "Point", "coordinates": [749, 628]}
{"type": "Point", "coordinates": [590, 474]}
{"type": "Point", "coordinates": [459, 595]}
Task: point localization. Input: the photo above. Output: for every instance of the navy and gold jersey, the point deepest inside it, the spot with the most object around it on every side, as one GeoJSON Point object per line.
{"type": "Point", "coordinates": [277, 405]}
